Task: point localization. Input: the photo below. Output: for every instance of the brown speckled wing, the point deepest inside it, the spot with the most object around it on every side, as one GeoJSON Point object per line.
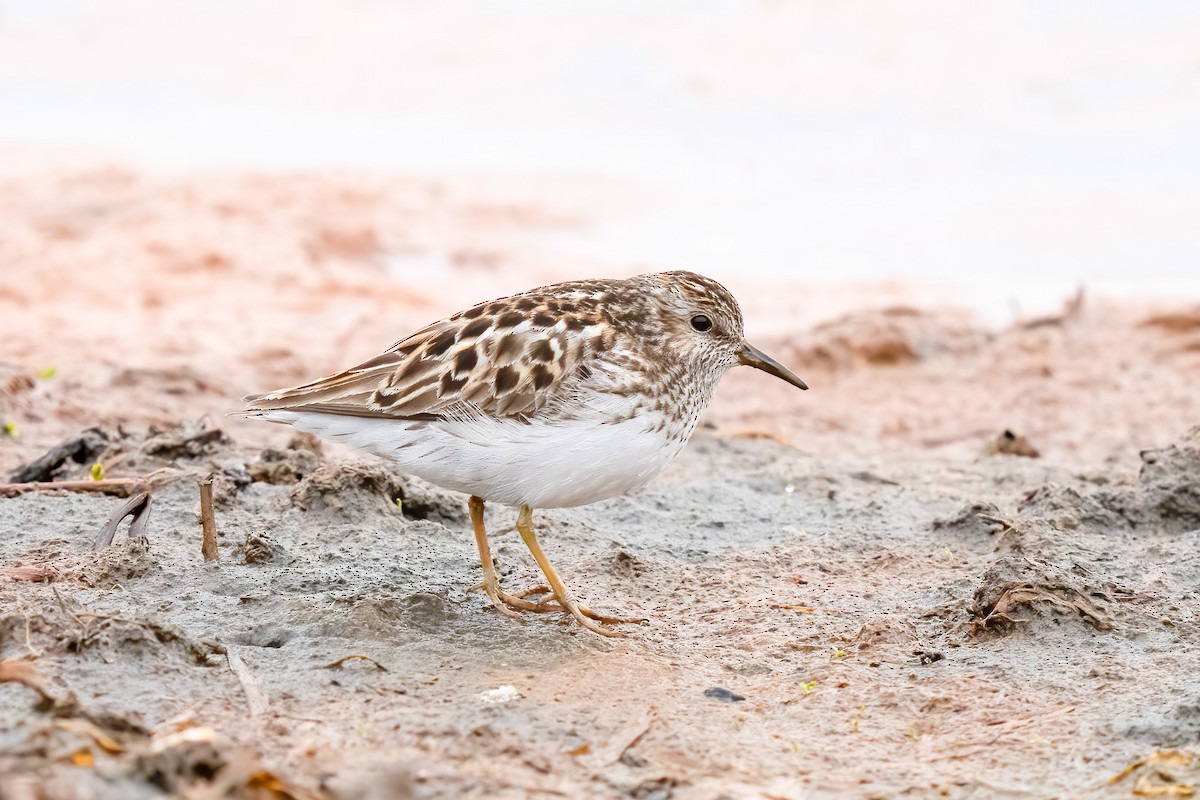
{"type": "Point", "coordinates": [505, 363]}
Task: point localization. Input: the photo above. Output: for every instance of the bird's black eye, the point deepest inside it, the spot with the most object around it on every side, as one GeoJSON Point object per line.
{"type": "Point", "coordinates": [701, 323]}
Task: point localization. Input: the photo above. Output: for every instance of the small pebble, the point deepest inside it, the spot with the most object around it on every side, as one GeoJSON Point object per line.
{"type": "Point", "coordinates": [499, 695]}
{"type": "Point", "coordinates": [724, 695]}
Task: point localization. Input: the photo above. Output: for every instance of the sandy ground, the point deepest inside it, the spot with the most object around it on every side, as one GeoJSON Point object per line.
{"type": "Point", "coordinates": [865, 590]}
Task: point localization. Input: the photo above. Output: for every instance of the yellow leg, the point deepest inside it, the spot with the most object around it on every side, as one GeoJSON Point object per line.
{"type": "Point", "coordinates": [509, 604]}
{"type": "Point", "coordinates": [561, 593]}
{"type": "Point", "coordinates": [506, 603]}
{"type": "Point", "coordinates": [491, 584]}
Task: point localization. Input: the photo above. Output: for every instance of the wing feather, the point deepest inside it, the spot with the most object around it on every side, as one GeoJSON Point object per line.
{"type": "Point", "coordinates": [462, 366]}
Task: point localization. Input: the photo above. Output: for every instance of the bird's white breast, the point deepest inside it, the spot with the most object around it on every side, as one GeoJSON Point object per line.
{"type": "Point", "coordinates": [545, 462]}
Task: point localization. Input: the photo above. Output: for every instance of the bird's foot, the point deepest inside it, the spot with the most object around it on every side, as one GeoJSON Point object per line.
{"type": "Point", "coordinates": [510, 605]}
{"type": "Point", "coordinates": [492, 589]}
{"type": "Point", "coordinates": [551, 603]}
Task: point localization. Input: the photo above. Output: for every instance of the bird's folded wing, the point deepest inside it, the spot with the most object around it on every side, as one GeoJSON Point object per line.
{"type": "Point", "coordinates": [456, 367]}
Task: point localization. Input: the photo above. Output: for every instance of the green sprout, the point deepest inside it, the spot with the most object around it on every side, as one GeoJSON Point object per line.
{"type": "Point", "coordinates": [47, 373]}
{"type": "Point", "coordinates": [808, 687]}
{"type": "Point", "coordinates": [10, 430]}
{"type": "Point", "coordinates": [97, 471]}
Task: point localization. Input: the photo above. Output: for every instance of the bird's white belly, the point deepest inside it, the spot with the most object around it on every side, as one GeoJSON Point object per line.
{"type": "Point", "coordinates": [544, 464]}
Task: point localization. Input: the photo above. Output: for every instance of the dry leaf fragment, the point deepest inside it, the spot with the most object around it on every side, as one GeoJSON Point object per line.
{"type": "Point", "coordinates": [82, 758]}
{"type": "Point", "coordinates": [90, 729]}
{"type": "Point", "coordinates": [1163, 773]}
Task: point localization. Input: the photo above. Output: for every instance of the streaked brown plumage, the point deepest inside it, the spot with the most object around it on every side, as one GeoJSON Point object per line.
{"type": "Point", "coordinates": [558, 396]}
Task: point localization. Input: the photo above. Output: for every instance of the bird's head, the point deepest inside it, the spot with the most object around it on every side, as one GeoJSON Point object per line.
{"type": "Point", "coordinates": [703, 324]}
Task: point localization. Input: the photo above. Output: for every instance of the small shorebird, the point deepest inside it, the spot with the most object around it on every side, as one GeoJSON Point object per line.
{"type": "Point", "coordinates": [556, 397]}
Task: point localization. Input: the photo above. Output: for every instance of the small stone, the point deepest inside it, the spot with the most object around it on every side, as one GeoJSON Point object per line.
{"type": "Point", "coordinates": [500, 695]}
{"type": "Point", "coordinates": [724, 695]}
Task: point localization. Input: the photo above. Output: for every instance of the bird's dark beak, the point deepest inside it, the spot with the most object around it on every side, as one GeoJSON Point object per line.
{"type": "Point", "coordinates": [751, 356]}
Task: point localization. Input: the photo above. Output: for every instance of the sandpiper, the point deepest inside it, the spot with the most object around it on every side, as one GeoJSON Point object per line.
{"type": "Point", "coordinates": [556, 397]}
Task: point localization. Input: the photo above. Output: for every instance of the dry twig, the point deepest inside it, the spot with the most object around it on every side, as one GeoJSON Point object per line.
{"type": "Point", "coordinates": [621, 742]}
{"type": "Point", "coordinates": [121, 487]}
{"type": "Point", "coordinates": [208, 545]}
{"type": "Point", "coordinates": [256, 698]}
{"type": "Point", "coordinates": [1072, 308]}
{"type": "Point", "coordinates": [338, 664]}
{"type": "Point", "coordinates": [757, 433]}
{"type": "Point", "coordinates": [15, 670]}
